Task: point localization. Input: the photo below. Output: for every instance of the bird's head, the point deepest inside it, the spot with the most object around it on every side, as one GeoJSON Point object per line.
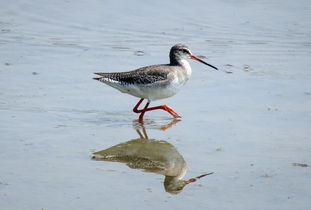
{"type": "Point", "coordinates": [179, 52]}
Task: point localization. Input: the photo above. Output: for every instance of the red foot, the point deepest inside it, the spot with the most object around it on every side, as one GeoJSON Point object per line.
{"type": "Point", "coordinates": [166, 108]}
{"type": "Point", "coordinates": [170, 110]}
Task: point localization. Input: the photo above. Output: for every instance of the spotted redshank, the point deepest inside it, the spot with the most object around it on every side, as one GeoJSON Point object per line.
{"type": "Point", "coordinates": [154, 82]}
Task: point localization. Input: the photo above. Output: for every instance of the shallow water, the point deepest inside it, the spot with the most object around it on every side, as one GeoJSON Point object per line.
{"type": "Point", "coordinates": [249, 123]}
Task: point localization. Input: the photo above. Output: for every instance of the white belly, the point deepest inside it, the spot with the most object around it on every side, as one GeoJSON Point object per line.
{"type": "Point", "coordinates": [152, 92]}
{"type": "Point", "coordinates": [156, 93]}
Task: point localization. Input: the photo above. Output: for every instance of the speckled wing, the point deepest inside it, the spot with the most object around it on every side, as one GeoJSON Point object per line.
{"type": "Point", "coordinates": [141, 77]}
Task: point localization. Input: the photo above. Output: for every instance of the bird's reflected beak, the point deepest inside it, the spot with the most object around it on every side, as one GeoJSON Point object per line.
{"type": "Point", "coordinates": [196, 178]}
{"type": "Point", "coordinates": [197, 59]}
{"type": "Point", "coordinates": [189, 181]}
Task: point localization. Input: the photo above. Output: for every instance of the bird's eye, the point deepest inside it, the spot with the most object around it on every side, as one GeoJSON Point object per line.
{"type": "Point", "coordinates": [185, 51]}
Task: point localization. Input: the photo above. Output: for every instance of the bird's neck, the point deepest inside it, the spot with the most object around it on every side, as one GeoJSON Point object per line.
{"type": "Point", "coordinates": [186, 66]}
{"type": "Point", "coordinates": [177, 61]}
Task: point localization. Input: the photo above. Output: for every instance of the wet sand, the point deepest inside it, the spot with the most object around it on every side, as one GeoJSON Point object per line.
{"type": "Point", "coordinates": [249, 123]}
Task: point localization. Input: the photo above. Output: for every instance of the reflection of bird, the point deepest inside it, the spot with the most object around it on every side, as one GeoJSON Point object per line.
{"type": "Point", "coordinates": [156, 156]}
{"type": "Point", "coordinates": [156, 81]}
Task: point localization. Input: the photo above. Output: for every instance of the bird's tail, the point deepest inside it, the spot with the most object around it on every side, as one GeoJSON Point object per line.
{"type": "Point", "coordinates": [100, 74]}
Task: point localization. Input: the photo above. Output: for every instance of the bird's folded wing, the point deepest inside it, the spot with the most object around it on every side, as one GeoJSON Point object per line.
{"type": "Point", "coordinates": [143, 76]}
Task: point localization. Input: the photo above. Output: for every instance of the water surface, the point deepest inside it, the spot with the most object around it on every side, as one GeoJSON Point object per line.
{"type": "Point", "coordinates": [249, 123]}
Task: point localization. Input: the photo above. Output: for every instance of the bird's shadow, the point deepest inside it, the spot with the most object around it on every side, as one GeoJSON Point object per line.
{"type": "Point", "coordinates": [151, 155]}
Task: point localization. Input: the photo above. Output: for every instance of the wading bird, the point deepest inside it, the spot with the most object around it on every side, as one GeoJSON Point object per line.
{"type": "Point", "coordinates": [154, 82]}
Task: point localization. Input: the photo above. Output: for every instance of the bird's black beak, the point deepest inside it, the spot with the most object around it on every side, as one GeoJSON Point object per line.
{"type": "Point", "coordinates": [197, 59]}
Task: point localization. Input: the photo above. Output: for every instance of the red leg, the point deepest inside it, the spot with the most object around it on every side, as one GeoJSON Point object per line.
{"type": "Point", "coordinates": [142, 111]}
{"type": "Point", "coordinates": [141, 116]}
{"type": "Point", "coordinates": [146, 109]}
{"type": "Point", "coordinates": [135, 109]}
